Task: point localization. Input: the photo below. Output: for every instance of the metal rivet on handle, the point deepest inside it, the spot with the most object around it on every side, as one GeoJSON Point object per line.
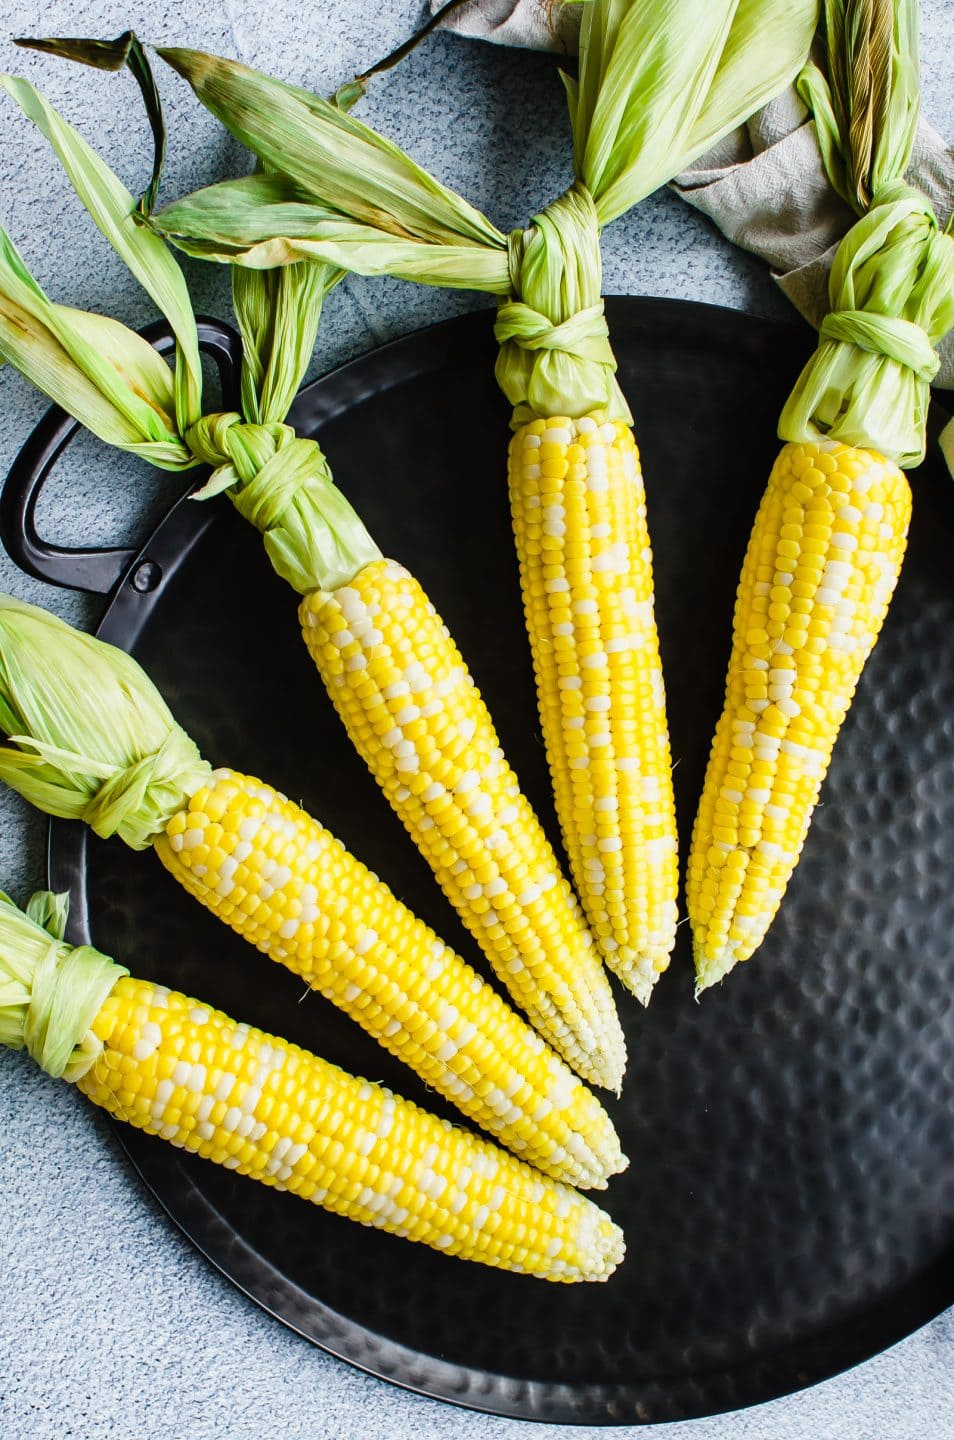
{"type": "Point", "coordinates": [146, 576]}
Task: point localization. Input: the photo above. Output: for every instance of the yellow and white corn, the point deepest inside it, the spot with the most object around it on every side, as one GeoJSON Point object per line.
{"type": "Point", "coordinates": [579, 518]}
{"type": "Point", "coordinates": [268, 1109]}
{"type": "Point", "coordinates": [416, 717]}
{"type": "Point", "coordinates": [284, 883]}
{"type": "Point", "coordinates": [819, 573]}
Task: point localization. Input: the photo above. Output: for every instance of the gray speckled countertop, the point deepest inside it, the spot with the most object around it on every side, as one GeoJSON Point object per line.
{"type": "Point", "coordinates": [111, 1325]}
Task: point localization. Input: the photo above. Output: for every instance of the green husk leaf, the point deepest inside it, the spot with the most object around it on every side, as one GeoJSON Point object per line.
{"type": "Point", "coordinates": [120, 388]}
{"type": "Point", "coordinates": [656, 87]}
{"type": "Point", "coordinates": [893, 270]}
{"type": "Point", "coordinates": [331, 154]}
{"type": "Point", "coordinates": [660, 85]}
{"type": "Point", "coordinates": [892, 282]}
{"type": "Point", "coordinates": [50, 992]}
{"type": "Point", "coordinates": [278, 313]}
{"type": "Point", "coordinates": [281, 483]}
{"type": "Point", "coordinates": [114, 211]}
{"type": "Point", "coordinates": [866, 106]}
{"type": "Point", "coordinates": [123, 52]}
{"type": "Point", "coordinates": [49, 911]}
{"type": "Point", "coordinates": [103, 374]}
{"type": "Point", "coordinates": [263, 221]}
{"type": "Point", "coordinates": [90, 737]}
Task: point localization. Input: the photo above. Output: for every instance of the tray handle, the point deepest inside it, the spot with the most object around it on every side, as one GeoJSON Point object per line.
{"type": "Point", "coordinates": [94, 570]}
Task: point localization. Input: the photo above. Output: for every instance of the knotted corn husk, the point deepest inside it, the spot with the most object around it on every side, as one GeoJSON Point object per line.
{"type": "Point", "coordinates": [764, 184]}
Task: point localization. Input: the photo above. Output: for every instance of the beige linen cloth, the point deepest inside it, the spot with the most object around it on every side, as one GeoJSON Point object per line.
{"type": "Point", "coordinates": [764, 185]}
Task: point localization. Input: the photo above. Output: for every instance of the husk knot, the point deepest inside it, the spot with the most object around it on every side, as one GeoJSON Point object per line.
{"type": "Point", "coordinates": [282, 484]}
{"type": "Point", "coordinates": [137, 802]}
{"type": "Point", "coordinates": [891, 295]}
{"type": "Point", "coordinates": [555, 355]}
{"type": "Point", "coordinates": [52, 991]}
{"type": "Point", "coordinates": [74, 980]}
{"type": "Point", "coordinates": [263, 467]}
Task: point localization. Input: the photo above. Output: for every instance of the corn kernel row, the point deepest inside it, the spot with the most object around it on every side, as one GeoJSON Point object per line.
{"type": "Point", "coordinates": [265, 1108]}
{"type": "Point", "coordinates": [285, 884]}
{"type": "Point", "coordinates": [579, 516]}
{"type": "Point", "coordinates": [416, 717]}
{"type": "Point", "coordinates": [819, 573]}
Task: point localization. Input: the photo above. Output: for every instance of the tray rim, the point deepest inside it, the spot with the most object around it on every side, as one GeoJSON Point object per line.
{"type": "Point", "coordinates": [125, 614]}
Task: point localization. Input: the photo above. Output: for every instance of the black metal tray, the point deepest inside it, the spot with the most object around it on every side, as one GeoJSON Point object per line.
{"type": "Point", "coordinates": [788, 1207]}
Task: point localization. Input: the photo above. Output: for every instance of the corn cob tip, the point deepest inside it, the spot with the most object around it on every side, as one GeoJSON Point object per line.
{"type": "Point", "coordinates": [642, 985]}
{"type": "Point", "coordinates": [622, 1164]}
{"type": "Point", "coordinates": [605, 1068]}
{"type": "Point", "coordinates": [710, 969]}
{"type": "Point", "coordinates": [607, 1247]}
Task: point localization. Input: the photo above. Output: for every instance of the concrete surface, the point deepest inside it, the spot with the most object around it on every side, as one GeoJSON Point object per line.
{"type": "Point", "coordinates": [111, 1324]}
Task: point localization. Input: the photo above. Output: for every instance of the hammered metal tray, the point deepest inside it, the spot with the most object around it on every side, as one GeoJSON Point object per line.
{"type": "Point", "coordinates": [788, 1208]}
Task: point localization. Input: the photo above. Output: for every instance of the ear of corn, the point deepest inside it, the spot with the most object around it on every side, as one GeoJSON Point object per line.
{"type": "Point", "coordinates": [96, 742]}
{"type": "Point", "coordinates": [270, 1110]}
{"type": "Point", "coordinates": [819, 573]}
{"type": "Point", "coordinates": [416, 717]}
{"type": "Point", "coordinates": [828, 542]}
{"type": "Point", "coordinates": [526, 918]}
{"type": "Point", "coordinates": [654, 89]}
{"type": "Point", "coordinates": [288, 886]}
{"type": "Point", "coordinates": [256, 1104]}
{"type": "Point", "coordinates": [579, 514]}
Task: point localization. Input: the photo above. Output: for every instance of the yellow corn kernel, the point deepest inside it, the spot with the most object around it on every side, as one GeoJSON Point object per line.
{"type": "Point", "coordinates": [462, 804]}
{"type": "Point", "coordinates": [386, 969]}
{"type": "Point", "coordinates": [586, 575]}
{"type": "Point", "coordinates": [841, 576]}
{"type": "Point", "coordinates": [268, 1109]}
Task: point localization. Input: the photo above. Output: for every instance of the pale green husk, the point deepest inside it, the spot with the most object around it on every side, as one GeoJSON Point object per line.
{"type": "Point", "coordinates": [277, 480]}
{"type": "Point", "coordinates": [661, 84]}
{"type": "Point", "coordinates": [89, 736]}
{"type": "Point", "coordinates": [106, 376]}
{"type": "Point", "coordinates": [892, 281]}
{"type": "Point", "coordinates": [946, 442]}
{"type": "Point", "coordinates": [50, 992]}
{"type": "Point", "coordinates": [260, 221]}
{"type": "Point", "coordinates": [658, 85]}
{"type": "Point", "coordinates": [115, 212]}
{"type": "Point", "coordinates": [554, 340]}
{"type": "Point", "coordinates": [116, 384]}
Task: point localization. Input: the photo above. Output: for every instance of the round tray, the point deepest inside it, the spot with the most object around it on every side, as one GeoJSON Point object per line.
{"type": "Point", "coordinates": [788, 1204]}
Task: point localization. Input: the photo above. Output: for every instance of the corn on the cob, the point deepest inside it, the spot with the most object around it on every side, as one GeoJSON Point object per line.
{"type": "Point", "coordinates": [490, 851]}
{"type": "Point", "coordinates": [819, 573]}
{"type": "Point", "coordinates": [284, 883]}
{"type": "Point", "coordinates": [415, 715]}
{"type": "Point", "coordinates": [579, 516]}
{"type": "Point", "coordinates": [652, 92]}
{"type": "Point", "coordinates": [256, 1104]}
{"type": "Point", "coordinates": [97, 742]}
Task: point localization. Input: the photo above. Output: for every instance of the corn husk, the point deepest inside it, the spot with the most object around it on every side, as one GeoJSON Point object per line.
{"type": "Point", "coordinates": [260, 221]}
{"type": "Point", "coordinates": [657, 85]}
{"type": "Point", "coordinates": [89, 736]}
{"type": "Point", "coordinates": [115, 384]}
{"type": "Point", "coordinates": [103, 374]}
{"type": "Point", "coordinates": [892, 281]}
{"type": "Point", "coordinates": [50, 992]}
{"type": "Point", "coordinates": [116, 213]}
